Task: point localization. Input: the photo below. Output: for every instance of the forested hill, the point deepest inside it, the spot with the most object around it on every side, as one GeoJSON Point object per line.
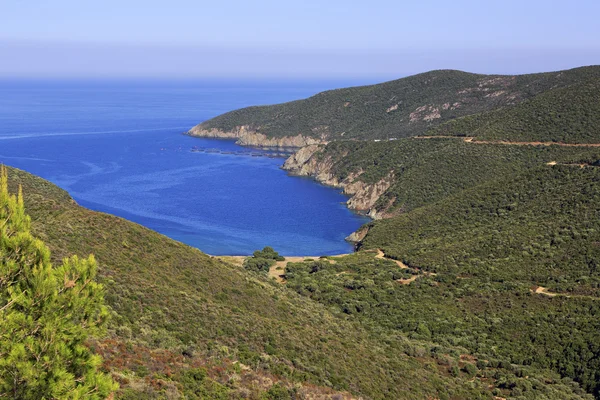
{"type": "Point", "coordinates": [186, 325]}
{"type": "Point", "coordinates": [401, 108]}
{"type": "Point", "coordinates": [568, 115]}
{"type": "Point", "coordinates": [508, 267]}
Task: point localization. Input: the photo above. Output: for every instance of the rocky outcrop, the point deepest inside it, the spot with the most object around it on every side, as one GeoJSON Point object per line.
{"type": "Point", "coordinates": [245, 136]}
{"type": "Point", "coordinates": [310, 161]}
{"type": "Point", "coordinates": [298, 161]}
{"type": "Point", "coordinates": [359, 235]}
{"type": "Point", "coordinates": [364, 196]}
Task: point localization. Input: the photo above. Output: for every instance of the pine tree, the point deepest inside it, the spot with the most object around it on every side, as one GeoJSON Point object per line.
{"type": "Point", "coordinates": [46, 315]}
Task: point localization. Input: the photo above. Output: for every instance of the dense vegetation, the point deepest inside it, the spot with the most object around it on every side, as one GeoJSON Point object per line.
{"type": "Point", "coordinates": [568, 115]}
{"type": "Point", "coordinates": [427, 170]}
{"type": "Point", "coordinates": [184, 323]}
{"type": "Point", "coordinates": [540, 226]}
{"type": "Point", "coordinates": [400, 108]}
{"type": "Point", "coordinates": [478, 254]}
{"type": "Point", "coordinates": [46, 315]}
{"type": "Point", "coordinates": [497, 244]}
{"type": "Point", "coordinates": [262, 260]}
{"type": "Point", "coordinates": [484, 282]}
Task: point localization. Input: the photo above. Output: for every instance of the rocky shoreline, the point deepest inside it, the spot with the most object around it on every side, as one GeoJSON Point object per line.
{"type": "Point", "coordinates": [308, 161]}
{"type": "Point", "coordinates": [245, 136]}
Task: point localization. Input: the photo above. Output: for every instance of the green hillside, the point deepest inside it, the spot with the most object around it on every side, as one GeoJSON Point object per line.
{"type": "Point", "coordinates": [182, 320]}
{"type": "Point", "coordinates": [428, 170]}
{"type": "Point", "coordinates": [475, 258]}
{"type": "Point", "coordinates": [401, 108]}
{"type": "Point", "coordinates": [494, 242]}
{"type": "Point", "coordinates": [568, 115]}
{"type": "Point", "coordinates": [482, 282]}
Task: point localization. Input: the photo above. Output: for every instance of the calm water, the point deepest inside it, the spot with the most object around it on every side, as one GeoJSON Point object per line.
{"type": "Point", "coordinates": [118, 148]}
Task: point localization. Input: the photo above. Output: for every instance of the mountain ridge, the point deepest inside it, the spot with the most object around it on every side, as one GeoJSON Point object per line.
{"type": "Point", "coordinates": [404, 107]}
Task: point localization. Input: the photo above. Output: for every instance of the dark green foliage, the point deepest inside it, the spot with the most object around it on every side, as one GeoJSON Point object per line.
{"type": "Point", "coordinates": [258, 264]}
{"type": "Point", "coordinates": [568, 115]}
{"type": "Point", "coordinates": [400, 108]}
{"type": "Point", "coordinates": [279, 392]}
{"type": "Point", "coordinates": [196, 386]}
{"type": "Point", "coordinates": [365, 288]}
{"type": "Point", "coordinates": [165, 295]}
{"type": "Point", "coordinates": [489, 245]}
{"type": "Point", "coordinates": [262, 260]}
{"type": "Point", "coordinates": [46, 315]}
{"type": "Point", "coordinates": [470, 369]}
{"type": "Point", "coordinates": [427, 170]}
{"type": "Point", "coordinates": [269, 254]}
{"type": "Point", "coordinates": [539, 227]}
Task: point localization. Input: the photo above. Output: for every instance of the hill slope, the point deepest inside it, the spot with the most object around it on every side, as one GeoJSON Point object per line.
{"type": "Point", "coordinates": [182, 321]}
{"type": "Point", "coordinates": [387, 178]}
{"type": "Point", "coordinates": [469, 266]}
{"type": "Point", "coordinates": [568, 115]}
{"type": "Point", "coordinates": [401, 108]}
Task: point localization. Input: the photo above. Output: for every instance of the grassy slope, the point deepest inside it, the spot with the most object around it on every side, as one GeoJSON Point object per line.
{"type": "Point", "coordinates": [168, 297]}
{"type": "Point", "coordinates": [568, 115]}
{"type": "Point", "coordinates": [398, 108]}
{"type": "Point", "coordinates": [489, 245]}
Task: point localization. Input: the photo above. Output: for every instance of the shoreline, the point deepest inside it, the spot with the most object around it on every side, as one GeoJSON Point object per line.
{"type": "Point", "coordinates": [277, 270]}
{"type": "Point", "coordinates": [353, 237]}
{"type": "Point", "coordinates": [246, 136]}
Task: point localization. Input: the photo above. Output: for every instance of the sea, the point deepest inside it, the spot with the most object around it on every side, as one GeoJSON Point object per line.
{"type": "Point", "coordinates": [118, 147]}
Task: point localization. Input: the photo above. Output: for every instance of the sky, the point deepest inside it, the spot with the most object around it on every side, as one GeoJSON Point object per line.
{"type": "Point", "coordinates": [292, 39]}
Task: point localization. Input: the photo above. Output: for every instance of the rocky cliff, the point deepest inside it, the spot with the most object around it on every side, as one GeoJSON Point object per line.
{"type": "Point", "coordinates": [245, 136]}
{"type": "Point", "coordinates": [312, 161]}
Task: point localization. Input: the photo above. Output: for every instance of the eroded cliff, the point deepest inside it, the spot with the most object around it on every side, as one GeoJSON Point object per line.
{"type": "Point", "coordinates": [245, 136]}
{"type": "Point", "coordinates": [312, 161]}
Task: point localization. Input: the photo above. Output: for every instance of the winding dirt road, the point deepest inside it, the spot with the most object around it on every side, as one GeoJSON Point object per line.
{"type": "Point", "coordinates": [381, 255]}
{"type": "Point", "coordinates": [472, 139]}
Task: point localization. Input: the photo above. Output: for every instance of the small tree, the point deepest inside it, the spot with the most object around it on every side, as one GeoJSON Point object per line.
{"type": "Point", "coordinates": [262, 260]}
{"type": "Point", "coordinates": [46, 315]}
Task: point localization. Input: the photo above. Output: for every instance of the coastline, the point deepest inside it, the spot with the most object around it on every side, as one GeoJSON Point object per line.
{"type": "Point", "coordinates": [300, 163]}
{"type": "Point", "coordinates": [277, 270]}
{"type": "Point", "coordinates": [246, 136]}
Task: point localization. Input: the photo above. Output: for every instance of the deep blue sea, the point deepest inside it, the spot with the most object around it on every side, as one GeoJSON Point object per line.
{"type": "Point", "coordinates": [118, 147]}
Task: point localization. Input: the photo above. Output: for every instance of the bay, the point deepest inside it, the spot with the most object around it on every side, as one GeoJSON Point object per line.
{"type": "Point", "coordinates": [118, 147]}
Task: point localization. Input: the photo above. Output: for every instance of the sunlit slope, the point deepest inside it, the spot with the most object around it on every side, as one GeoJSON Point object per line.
{"type": "Point", "coordinates": [401, 108]}
{"type": "Point", "coordinates": [567, 115]}
{"type": "Point", "coordinates": [169, 299]}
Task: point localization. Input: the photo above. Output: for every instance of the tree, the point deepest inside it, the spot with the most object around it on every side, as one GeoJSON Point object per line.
{"type": "Point", "coordinates": [262, 260]}
{"type": "Point", "coordinates": [46, 315]}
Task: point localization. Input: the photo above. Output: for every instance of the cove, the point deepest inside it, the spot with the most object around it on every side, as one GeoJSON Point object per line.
{"type": "Point", "coordinates": [118, 148]}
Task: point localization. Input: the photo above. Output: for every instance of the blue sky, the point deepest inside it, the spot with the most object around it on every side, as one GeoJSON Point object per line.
{"type": "Point", "coordinates": [293, 39]}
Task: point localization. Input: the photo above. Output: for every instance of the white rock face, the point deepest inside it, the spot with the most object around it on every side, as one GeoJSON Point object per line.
{"type": "Point", "coordinates": [245, 136]}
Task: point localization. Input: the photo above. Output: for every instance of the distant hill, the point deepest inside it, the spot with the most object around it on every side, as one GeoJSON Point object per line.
{"type": "Point", "coordinates": [568, 114]}
{"type": "Point", "coordinates": [401, 108]}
